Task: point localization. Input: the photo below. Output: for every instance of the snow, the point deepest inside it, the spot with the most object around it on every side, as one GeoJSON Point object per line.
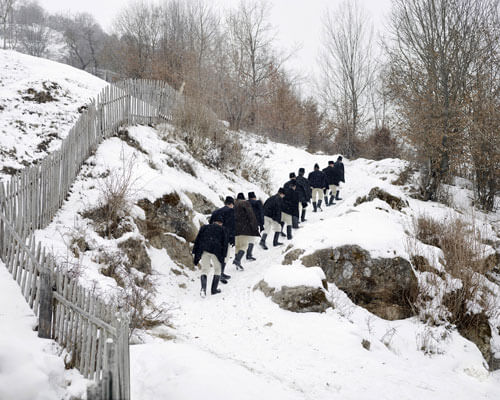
{"type": "Point", "coordinates": [30, 368]}
{"type": "Point", "coordinates": [238, 344]}
{"type": "Point", "coordinates": [31, 130]}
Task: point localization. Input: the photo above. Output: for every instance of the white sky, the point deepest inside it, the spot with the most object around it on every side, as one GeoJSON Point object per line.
{"type": "Point", "coordinates": [298, 22]}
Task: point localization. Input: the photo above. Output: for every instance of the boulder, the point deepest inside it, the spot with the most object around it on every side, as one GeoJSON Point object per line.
{"type": "Point", "coordinates": [201, 203]}
{"type": "Point", "coordinates": [291, 256]}
{"type": "Point", "coordinates": [384, 286]}
{"type": "Point", "coordinates": [167, 214]}
{"type": "Point", "coordinates": [298, 299]}
{"type": "Point", "coordinates": [137, 255]}
{"type": "Point", "coordinates": [396, 203]}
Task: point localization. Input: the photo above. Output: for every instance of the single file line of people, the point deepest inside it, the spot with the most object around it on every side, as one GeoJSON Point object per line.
{"type": "Point", "coordinates": [241, 222]}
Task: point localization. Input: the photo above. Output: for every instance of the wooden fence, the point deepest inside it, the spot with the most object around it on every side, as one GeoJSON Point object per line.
{"type": "Point", "coordinates": [93, 334]}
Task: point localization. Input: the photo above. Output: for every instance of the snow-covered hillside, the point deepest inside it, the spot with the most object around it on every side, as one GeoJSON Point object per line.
{"type": "Point", "coordinates": [40, 100]}
{"type": "Point", "coordinates": [238, 344]}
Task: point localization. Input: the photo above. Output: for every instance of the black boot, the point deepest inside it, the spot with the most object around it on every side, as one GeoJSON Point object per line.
{"type": "Point", "coordinates": [282, 225]}
{"type": "Point", "coordinates": [203, 291]}
{"type": "Point", "coordinates": [262, 242]}
{"type": "Point", "coordinates": [326, 201]}
{"type": "Point", "coordinates": [319, 205]}
{"type": "Point", "coordinates": [275, 240]}
{"type": "Point", "coordinates": [315, 206]}
{"type": "Point", "coordinates": [237, 260]}
{"type": "Point", "coordinates": [215, 283]}
{"type": "Point", "coordinates": [331, 200]}
{"type": "Point", "coordinates": [303, 215]}
{"type": "Point", "coordinates": [295, 222]}
{"type": "Point", "coordinates": [250, 257]}
{"type": "Point", "coordinates": [223, 276]}
{"type": "Point", "coordinates": [337, 195]}
{"type": "Point", "coordinates": [289, 232]}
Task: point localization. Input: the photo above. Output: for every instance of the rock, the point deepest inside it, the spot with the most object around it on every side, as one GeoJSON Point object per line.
{"type": "Point", "coordinates": [137, 255]}
{"type": "Point", "coordinates": [201, 203]}
{"type": "Point", "coordinates": [366, 344]}
{"type": "Point", "coordinates": [296, 299]}
{"type": "Point", "coordinates": [396, 203]}
{"type": "Point", "coordinates": [167, 214]}
{"type": "Point", "coordinates": [478, 330]}
{"type": "Point", "coordinates": [291, 256]}
{"type": "Point", "coordinates": [384, 286]}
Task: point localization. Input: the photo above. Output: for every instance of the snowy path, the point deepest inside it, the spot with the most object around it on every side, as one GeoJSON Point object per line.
{"type": "Point", "coordinates": [239, 343]}
{"type": "Point", "coordinates": [29, 366]}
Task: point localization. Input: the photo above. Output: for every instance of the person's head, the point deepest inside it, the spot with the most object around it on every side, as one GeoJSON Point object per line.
{"type": "Point", "coordinates": [240, 196]}
{"type": "Point", "coordinates": [339, 158]}
{"type": "Point", "coordinates": [229, 201]}
{"type": "Point", "coordinates": [218, 219]}
{"type": "Point", "coordinates": [316, 166]}
{"type": "Point", "coordinates": [281, 192]}
{"type": "Point", "coordinates": [292, 175]}
{"type": "Point", "coordinates": [302, 171]}
{"type": "Point", "coordinates": [251, 195]}
{"type": "Point", "coordinates": [331, 163]}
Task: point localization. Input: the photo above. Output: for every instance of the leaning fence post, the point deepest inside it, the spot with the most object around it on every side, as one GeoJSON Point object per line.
{"type": "Point", "coordinates": [45, 310]}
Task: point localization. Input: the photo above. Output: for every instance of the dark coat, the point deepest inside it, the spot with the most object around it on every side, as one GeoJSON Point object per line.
{"type": "Point", "coordinates": [272, 207]}
{"type": "Point", "coordinates": [291, 202]}
{"type": "Point", "coordinates": [213, 239]}
{"type": "Point", "coordinates": [258, 210]}
{"type": "Point", "coordinates": [304, 189]}
{"type": "Point", "coordinates": [317, 179]}
{"type": "Point", "coordinates": [339, 172]}
{"type": "Point", "coordinates": [245, 221]}
{"type": "Point", "coordinates": [330, 174]}
{"type": "Point", "coordinates": [228, 218]}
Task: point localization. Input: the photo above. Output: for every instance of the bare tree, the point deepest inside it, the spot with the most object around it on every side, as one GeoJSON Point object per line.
{"type": "Point", "coordinates": [346, 69]}
{"type": "Point", "coordinates": [6, 19]}
{"type": "Point", "coordinates": [435, 47]}
{"type": "Point", "coordinates": [32, 33]}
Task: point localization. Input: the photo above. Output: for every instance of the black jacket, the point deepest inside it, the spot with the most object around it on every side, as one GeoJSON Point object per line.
{"type": "Point", "coordinates": [339, 172]}
{"type": "Point", "coordinates": [245, 221]}
{"type": "Point", "coordinates": [304, 189]}
{"type": "Point", "coordinates": [291, 202]}
{"type": "Point", "coordinates": [330, 175]}
{"type": "Point", "coordinates": [272, 207]}
{"type": "Point", "coordinates": [317, 179]}
{"type": "Point", "coordinates": [258, 210]}
{"type": "Point", "coordinates": [228, 218]}
{"type": "Point", "coordinates": [213, 239]}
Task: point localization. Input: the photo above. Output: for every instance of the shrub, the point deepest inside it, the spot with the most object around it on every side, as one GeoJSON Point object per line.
{"type": "Point", "coordinates": [378, 145]}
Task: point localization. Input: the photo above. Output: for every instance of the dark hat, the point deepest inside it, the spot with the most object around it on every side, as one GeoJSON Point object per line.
{"type": "Point", "coordinates": [251, 195]}
{"type": "Point", "coordinates": [240, 196]}
{"type": "Point", "coordinates": [229, 200]}
{"type": "Point", "coordinates": [218, 218]}
{"type": "Point", "coordinates": [331, 162]}
{"type": "Point", "coordinates": [302, 170]}
{"type": "Point", "coordinates": [281, 190]}
{"type": "Point", "coordinates": [316, 166]}
{"type": "Point", "coordinates": [339, 158]}
{"type": "Point", "coordinates": [292, 175]}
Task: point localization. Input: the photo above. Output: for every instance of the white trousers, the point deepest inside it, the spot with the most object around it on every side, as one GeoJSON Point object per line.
{"type": "Point", "coordinates": [208, 259]}
{"type": "Point", "coordinates": [286, 218]}
{"type": "Point", "coordinates": [333, 189]}
{"type": "Point", "coordinates": [242, 241]}
{"type": "Point", "coordinates": [317, 194]}
{"type": "Point", "coordinates": [271, 226]}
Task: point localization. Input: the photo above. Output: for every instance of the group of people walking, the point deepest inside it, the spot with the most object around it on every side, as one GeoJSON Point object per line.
{"type": "Point", "coordinates": [241, 222]}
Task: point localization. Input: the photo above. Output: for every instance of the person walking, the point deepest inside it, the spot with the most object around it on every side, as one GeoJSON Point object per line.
{"type": "Point", "coordinates": [332, 182]}
{"type": "Point", "coordinates": [246, 228]}
{"type": "Point", "coordinates": [339, 176]}
{"type": "Point", "coordinates": [210, 248]}
{"type": "Point", "coordinates": [304, 191]}
{"type": "Point", "coordinates": [290, 207]}
{"type": "Point", "coordinates": [288, 185]}
{"type": "Point", "coordinates": [317, 180]}
{"type": "Point", "coordinates": [258, 211]}
{"type": "Point", "coordinates": [226, 213]}
{"type": "Point", "coordinates": [272, 218]}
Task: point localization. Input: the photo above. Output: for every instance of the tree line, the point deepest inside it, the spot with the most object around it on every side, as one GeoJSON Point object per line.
{"type": "Point", "coordinates": [430, 91]}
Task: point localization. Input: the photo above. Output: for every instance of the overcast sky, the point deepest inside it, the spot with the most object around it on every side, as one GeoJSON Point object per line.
{"type": "Point", "coordinates": [298, 22]}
